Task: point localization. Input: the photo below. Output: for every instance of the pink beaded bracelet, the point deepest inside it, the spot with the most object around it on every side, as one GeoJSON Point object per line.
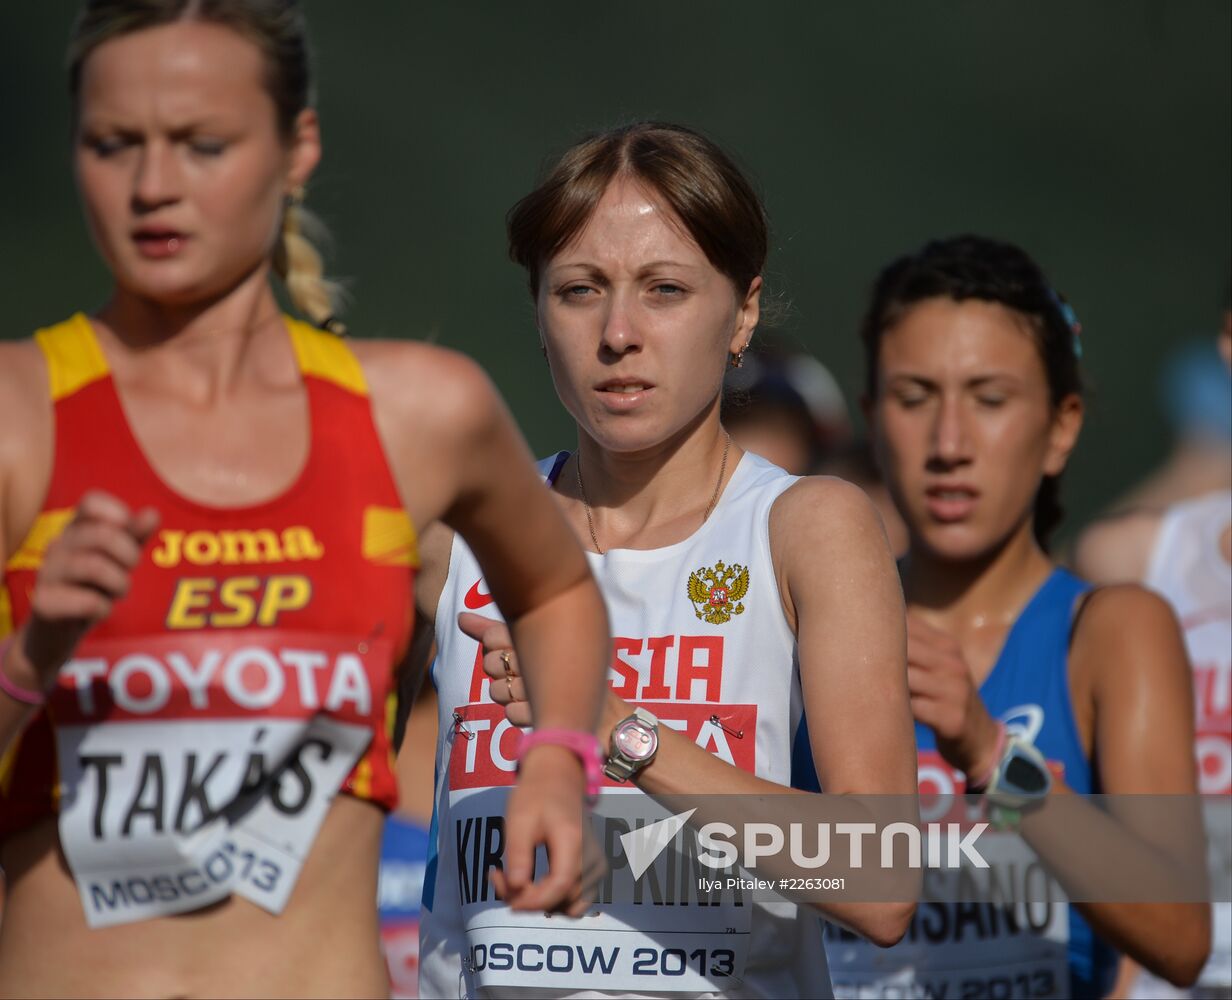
{"type": "Point", "coordinates": [19, 694]}
{"type": "Point", "coordinates": [584, 745]}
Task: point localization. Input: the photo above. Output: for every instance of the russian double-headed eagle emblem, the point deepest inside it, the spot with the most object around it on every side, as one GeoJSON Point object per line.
{"type": "Point", "coordinates": [716, 593]}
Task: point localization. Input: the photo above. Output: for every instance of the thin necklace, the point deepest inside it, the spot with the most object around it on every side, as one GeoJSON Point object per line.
{"type": "Point", "coordinates": [590, 518]}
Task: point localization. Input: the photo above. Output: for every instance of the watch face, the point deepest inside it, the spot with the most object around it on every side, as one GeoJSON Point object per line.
{"type": "Point", "coordinates": [1022, 775]}
{"type": "Point", "coordinates": [635, 740]}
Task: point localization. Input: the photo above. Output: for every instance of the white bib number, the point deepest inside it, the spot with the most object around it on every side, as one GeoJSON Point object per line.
{"type": "Point", "coordinates": [152, 828]}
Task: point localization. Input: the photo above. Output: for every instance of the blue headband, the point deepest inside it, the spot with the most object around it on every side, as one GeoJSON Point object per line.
{"type": "Point", "coordinates": [1071, 320]}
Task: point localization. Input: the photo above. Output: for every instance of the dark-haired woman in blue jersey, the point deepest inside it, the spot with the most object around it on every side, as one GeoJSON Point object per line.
{"type": "Point", "coordinates": [1023, 680]}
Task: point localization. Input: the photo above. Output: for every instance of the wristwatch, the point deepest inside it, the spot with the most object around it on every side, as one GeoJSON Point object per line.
{"type": "Point", "coordinates": [1021, 778]}
{"type": "Point", "coordinates": [635, 741]}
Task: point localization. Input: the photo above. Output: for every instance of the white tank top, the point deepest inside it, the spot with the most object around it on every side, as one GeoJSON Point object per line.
{"type": "Point", "coordinates": [719, 647]}
{"type": "Point", "coordinates": [1188, 568]}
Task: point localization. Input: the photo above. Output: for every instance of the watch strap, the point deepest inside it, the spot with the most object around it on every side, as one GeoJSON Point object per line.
{"type": "Point", "coordinates": [618, 768]}
{"type": "Point", "coordinates": [1004, 793]}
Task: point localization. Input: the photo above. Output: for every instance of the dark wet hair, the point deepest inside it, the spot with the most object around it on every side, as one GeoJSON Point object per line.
{"type": "Point", "coordinates": [974, 267]}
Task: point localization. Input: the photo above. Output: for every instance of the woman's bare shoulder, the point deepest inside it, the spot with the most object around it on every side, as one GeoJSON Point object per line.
{"type": "Point", "coordinates": [26, 436]}
{"type": "Point", "coordinates": [821, 507]}
{"type": "Point", "coordinates": [1117, 608]}
{"type": "Point", "coordinates": [434, 409]}
{"type": "Point", "coordinates": [424, 381]}
{"type": "Point", "coordinates": [828, 543]}
{"type": "Point", "coordinates": [1125, 629]}
{"type": "Point", "coordinates": [23, 373]}
{"type": "Point", "coordinates": [25, 399]}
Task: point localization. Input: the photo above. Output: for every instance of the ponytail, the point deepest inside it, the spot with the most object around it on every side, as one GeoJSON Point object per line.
{"type": "Point", "coordinates": [298, 263]}
{"type": "Point", "coordinates": [1048, 512]}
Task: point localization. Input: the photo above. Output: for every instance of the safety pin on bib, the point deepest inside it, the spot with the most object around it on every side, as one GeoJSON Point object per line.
{"type": "Point", "coordinates": [737, 733]}
{"type": "Point", "coordinates": [459, 726]}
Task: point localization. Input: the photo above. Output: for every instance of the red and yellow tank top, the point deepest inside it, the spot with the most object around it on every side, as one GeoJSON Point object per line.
{"type": "Point", "coordinates": [192, 745]}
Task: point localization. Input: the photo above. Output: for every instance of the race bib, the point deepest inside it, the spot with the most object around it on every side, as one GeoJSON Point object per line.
{"type": "Point", "coordinates": [662, 930]}
{"type": "Point", "coordinates": [1000, 931]}
{"type": "Point", "coordinates": [200, 765]}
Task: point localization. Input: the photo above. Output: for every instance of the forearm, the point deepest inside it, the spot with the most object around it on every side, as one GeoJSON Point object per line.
{"type": "Point", "coordinates": [21, 675]}
{"type": "Point", "coordinates": [1172, 940]}
{"type": "Point", "coordinates": [13, 719]}
{"type": "Point", "coordinates": [1094, 855]}
{"type": "Point", "coordinates": [683, 769]}
{"type": "Point", "coordinates": [563, 649]}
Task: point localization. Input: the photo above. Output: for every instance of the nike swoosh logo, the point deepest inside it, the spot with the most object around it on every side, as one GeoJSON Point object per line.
{"type": "Point", "coordinates": [643, 845]}
{"type": "Point", "coordinates": [475, 598]}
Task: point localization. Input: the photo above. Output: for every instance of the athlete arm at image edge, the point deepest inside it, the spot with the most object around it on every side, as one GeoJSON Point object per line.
{"type": "Point", "coordinates": [537, 574]}
{"type": "Point", "coordinates": [1143, 739]}
{"type": "Point", "coordinates": [17, 376]}
{"type": "Point", "coordinates": [851, 631]}
{"type": "Point", "coordinates": [82, 572]}
{"type": "Point", "coordinates": [535, 571]}
{"type": "Point", "coordinates": [492, 495]}
{"type": "Point", "coordinates": [1118, 550]}
{"type": "Point", "coordinates": [13, 714]}
{"type": "Point", "coordinates": [435, 548]}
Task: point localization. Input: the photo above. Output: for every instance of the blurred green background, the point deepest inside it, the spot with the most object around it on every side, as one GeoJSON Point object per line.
{"type": "Point", "coordinates": [1095, 134]}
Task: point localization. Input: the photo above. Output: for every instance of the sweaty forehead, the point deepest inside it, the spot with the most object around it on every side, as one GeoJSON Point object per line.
{"type": "Point", "coordinates": [175, 73]}
{"type": "Point", "coordinates": [940, 337]}
{"type": "Point", "coordinates": [632, 225]}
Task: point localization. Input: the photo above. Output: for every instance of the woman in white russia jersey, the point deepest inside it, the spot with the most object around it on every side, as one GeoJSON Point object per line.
{"type": "Point", "coordinates": [740, 597]}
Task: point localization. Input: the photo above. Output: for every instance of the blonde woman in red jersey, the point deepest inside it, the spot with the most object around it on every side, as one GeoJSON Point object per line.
{"type": "Point", "coordinates": [207, 519]}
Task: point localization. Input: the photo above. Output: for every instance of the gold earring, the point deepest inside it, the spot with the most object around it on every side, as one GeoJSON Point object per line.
{"type": "Point", "coordinates": [737, 359]}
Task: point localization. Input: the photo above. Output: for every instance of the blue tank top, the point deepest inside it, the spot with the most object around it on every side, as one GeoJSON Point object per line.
{"type": "Point", "coordinates": [1028, 690]}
